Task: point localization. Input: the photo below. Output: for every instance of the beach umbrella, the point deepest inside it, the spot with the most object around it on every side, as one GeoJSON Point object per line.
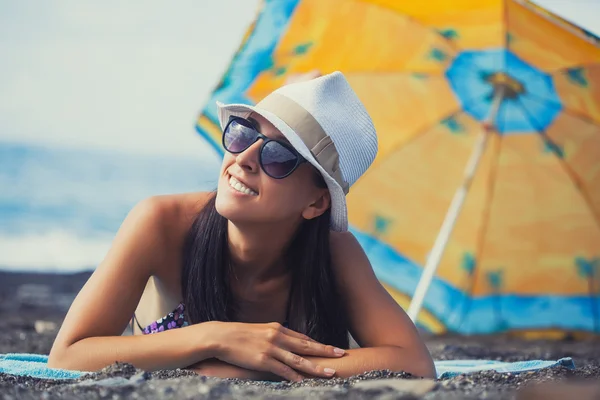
{"type": "Point", "coordinates": [481, 212]}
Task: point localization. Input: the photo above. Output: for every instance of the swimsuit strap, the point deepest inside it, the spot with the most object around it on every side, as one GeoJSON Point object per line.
{"type": "Point", "coordinates": [137, 323]}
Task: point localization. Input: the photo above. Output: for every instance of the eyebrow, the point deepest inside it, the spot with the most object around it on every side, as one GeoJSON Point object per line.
{"type": "Point", "coordinates": [256, 126]}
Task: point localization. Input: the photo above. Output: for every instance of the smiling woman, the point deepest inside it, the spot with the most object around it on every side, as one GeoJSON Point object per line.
{"type": "Point", "coordinates": [262, 279]}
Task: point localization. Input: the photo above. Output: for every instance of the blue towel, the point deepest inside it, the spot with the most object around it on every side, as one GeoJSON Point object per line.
{"type": "Point", "coordinates": [35, 365]}
{"type": "Point", "coordinates": [450, 368]}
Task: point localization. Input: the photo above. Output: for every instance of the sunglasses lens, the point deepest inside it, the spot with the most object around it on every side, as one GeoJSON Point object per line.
{"type": "Point", "coordinates": [238, 136]}
{"type": "Point", "coordinates": [277, 160]}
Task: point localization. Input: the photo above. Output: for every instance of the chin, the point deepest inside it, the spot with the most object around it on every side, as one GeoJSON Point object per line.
{"type": "Point", "coordinates": [224, 205]}
{"type": "Point", "coordinates": [231, 206]}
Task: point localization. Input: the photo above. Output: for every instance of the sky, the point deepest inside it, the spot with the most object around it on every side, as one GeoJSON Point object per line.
{"type": "Point", "coordinates": [130, 75]}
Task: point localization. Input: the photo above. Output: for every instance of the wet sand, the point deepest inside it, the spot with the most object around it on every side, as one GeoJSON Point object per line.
{"type": "Point", "coordinates": [32, 308]}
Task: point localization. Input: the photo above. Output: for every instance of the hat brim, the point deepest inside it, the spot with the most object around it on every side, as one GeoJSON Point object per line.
{"type": "Point", "coordinates": [339, 211]}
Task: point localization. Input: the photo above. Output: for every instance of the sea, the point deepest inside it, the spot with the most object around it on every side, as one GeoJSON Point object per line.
{"type": "Point", "coordinates": [61, 207]}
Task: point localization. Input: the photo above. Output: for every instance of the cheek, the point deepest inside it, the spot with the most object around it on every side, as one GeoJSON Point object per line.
{"type": "Point", "coordinates": [288, 194]}
{"type": "Point", "coordinates": [228, 159]}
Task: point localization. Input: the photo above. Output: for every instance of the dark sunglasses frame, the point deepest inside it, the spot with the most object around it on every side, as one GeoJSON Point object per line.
{"type": "Point", "coordinates": [249, 124]}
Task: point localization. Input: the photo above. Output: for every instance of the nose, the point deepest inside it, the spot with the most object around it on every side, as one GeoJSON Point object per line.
{"type": "Point", "coordinates": [248, 159]}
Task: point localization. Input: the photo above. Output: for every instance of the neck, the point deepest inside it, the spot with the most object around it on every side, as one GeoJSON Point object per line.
{"type": "Point", "coordinates": [257, 251]}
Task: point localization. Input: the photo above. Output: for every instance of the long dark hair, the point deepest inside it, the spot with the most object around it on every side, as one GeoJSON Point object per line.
{"type": "Point", "coordinates": [315, 307]}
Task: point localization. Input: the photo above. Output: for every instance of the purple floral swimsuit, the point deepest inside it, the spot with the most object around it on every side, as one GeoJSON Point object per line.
{"type": "Point", "coordinates": [174, 319]}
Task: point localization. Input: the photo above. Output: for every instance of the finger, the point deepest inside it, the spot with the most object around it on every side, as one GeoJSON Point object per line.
{"type": "Point", "coordinates": [283, 370]}
{"type": "Point", "coordinates": [301, 364]}
{"type": "Point", "coordinates": [280, 329]}
{"type": "Point", "coordinates": [311, 348]}
{"type": "Point", "coordinates": [296, 335]}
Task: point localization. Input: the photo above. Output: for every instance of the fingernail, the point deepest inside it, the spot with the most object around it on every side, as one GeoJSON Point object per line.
{"type": "Point", "coordinates": [329, 371]}
{"type": "Point", "coordinates": [339, 352]}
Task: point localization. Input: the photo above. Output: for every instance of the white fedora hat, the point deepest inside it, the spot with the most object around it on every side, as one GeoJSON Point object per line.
{"type": "Point", "coordinates": [327, 124]}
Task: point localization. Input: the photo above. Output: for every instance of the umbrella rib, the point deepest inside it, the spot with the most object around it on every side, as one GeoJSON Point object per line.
{"type": "Point", "coordinates": [530, 117]}
{"type": "Point", "coordinates": [468, 103]}
{"type": "Point", "coordinates": [484, 227]}
{"type": "Point", "coordinates": [575, 179]}
{"type": "Point", "coordinates": [563, 108]}
{"type": "Point", "coordinates": [578, 115]}
{"type": "Point", "coordinates": [489, 199]}
{"type": "Point", "coordinates": [533, 96]}
{"type": "Point", "coordinates": [422, 132]}
{"type": "Point", "coordinates": [452, 45]}
{"type": "Point", "coordinates": [562, 70]}
{"type": "Point", "coordinates": [533, 121]}
{"type": "Point", "coordinates": [558, 21]}
{"type": "Point", "coordinates": [572, 174]}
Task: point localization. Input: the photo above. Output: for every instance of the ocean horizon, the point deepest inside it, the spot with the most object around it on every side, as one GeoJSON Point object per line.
{"type": "Point", "coordinates": [61, 207]}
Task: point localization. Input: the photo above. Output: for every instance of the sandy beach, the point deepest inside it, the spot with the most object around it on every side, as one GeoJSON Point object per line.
{"type": "Point", "coordinates": [32, 307]}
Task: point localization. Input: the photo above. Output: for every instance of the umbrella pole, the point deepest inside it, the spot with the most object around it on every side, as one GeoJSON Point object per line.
{"type": "Point", "coordinates": [441, 241]}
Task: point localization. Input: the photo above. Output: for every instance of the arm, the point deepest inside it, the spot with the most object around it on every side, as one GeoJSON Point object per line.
{"type": "Point", "coordinates": [388, 337]}
{"type": "Point", "coordinates": [176, 348]}
{"type": "Point", "coordinates": [220, 369]}
{"type": "Point", "coordinates": [394, 358]}
{"type": "Point", "coordinates": [90, 336]}
{"type": "Point", "coordinates": [353, 362]}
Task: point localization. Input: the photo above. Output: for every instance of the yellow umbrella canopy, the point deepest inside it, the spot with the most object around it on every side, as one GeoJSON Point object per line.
{"type": "Point", "coordinates": [524, 252]}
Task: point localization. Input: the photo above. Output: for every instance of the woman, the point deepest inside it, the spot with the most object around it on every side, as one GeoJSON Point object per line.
{"type": "Point", "coordinates": [264, 279]}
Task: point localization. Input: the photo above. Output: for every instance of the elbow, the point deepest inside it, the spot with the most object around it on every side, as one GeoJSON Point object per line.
{"type": "Point", "coordinates": [59, 358]}
{"type": "Point", "coordinates": [418, 364]}
{"type": "Point", "coordinates": [56, 358]}
{"type": "Point", "coordinates": [423, 366]}
{"type": "Point", "coordinates": [425, 369]}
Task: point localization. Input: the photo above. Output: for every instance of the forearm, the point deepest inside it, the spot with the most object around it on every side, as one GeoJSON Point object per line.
{"type": "Point", "coordinates": [354, 362]}
{"type": "Point", "coordinates": [220, 369]}
{"type": "Point", "coordinates": [357, 361]}
{"type": "Point", "coordinates": [176, 348]}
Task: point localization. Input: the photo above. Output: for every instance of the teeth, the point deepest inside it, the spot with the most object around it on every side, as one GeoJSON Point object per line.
{"type": "Point", "coordinates": [240, 187]}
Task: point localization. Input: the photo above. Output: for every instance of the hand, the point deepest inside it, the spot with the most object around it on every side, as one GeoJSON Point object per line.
{"type": "Point", "coordinates": [272, 348]}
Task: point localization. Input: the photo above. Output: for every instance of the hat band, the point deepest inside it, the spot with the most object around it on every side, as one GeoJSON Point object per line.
{"type": "Point", "coordinates": [309, 130]}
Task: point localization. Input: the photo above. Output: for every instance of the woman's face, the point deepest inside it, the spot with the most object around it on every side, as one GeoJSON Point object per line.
{"type": "Point", "coordinates": [268, 200]}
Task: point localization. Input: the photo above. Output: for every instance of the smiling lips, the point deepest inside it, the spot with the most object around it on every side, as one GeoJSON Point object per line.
{"type": "Point", "coordinates": [240, 187]}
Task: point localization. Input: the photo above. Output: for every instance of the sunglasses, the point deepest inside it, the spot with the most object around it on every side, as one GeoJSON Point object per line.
{"type": "Point", "coordinates": [277, 158]}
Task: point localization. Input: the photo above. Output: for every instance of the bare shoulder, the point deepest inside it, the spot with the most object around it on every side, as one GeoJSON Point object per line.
{"type": "Point", "coordinates": [165, 219]}
{"type": "Point", "coordinates": [346, 252]}
{"type": "Point", "coordinates": [342, 242]}
{"type": "Point", "coordinates": [337, 239]}
{"type": "Point", "coordinates": [174, 212]}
